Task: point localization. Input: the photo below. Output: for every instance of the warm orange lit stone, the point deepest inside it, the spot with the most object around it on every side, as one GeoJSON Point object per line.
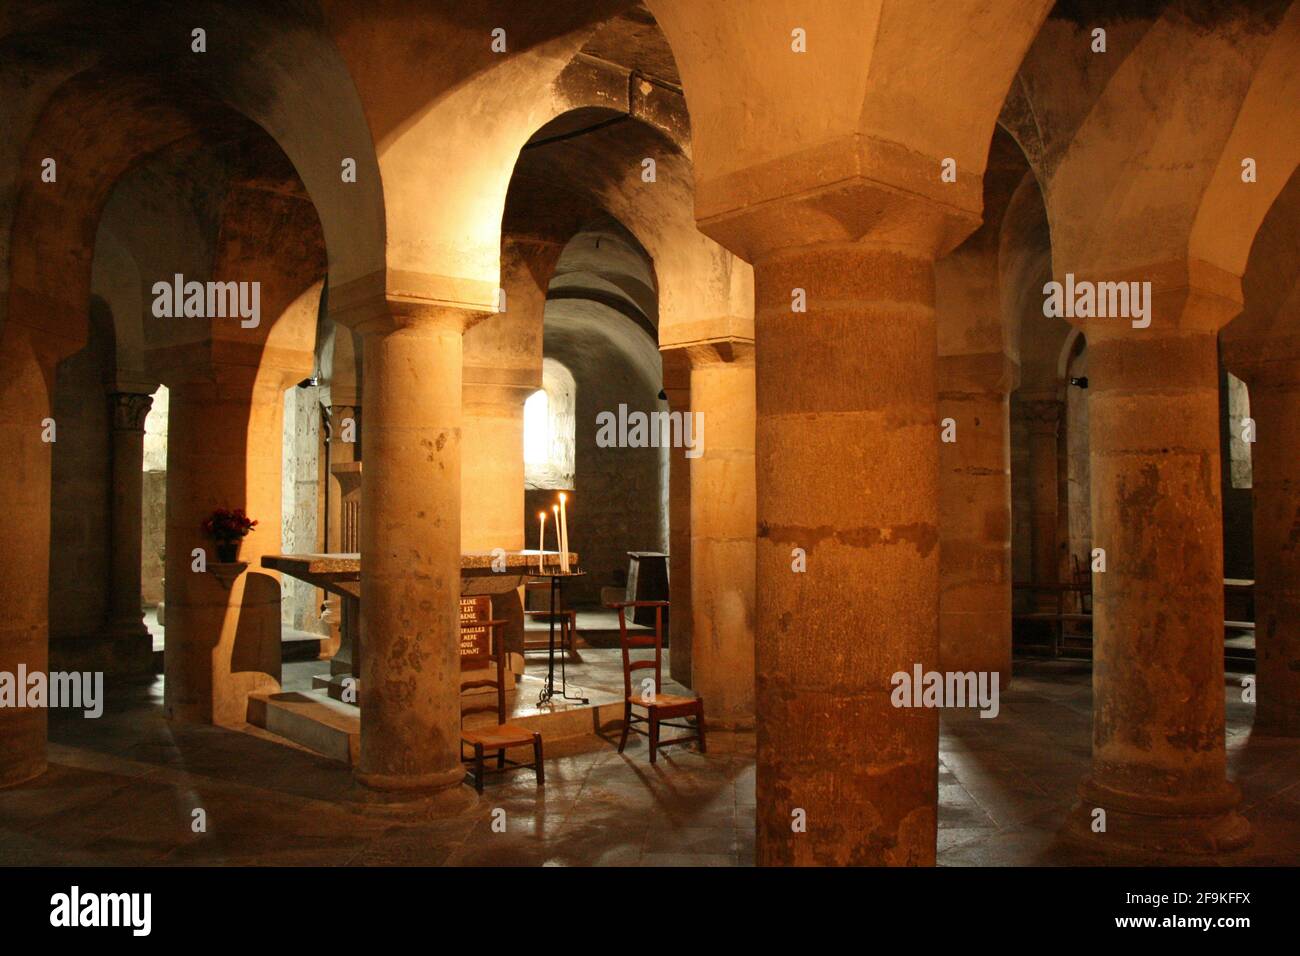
{"type": "Point", "coordinates": [1159, 764]}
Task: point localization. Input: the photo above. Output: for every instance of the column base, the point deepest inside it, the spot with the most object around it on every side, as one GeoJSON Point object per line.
{"type": "Point", "coordinates": [1137, 824]}
{"type": "Point", "coordinates": [436, 794]}
{"type": "Point", "coordinates": [22, 772]}
{"type": "Point", "coordinates": [734, 724]}
{"type": "Point", "coordinates": [120, 650]}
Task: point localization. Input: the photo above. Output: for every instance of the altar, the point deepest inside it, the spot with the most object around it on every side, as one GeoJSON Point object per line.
{"type": "Point", "coordinates": [497, 574]}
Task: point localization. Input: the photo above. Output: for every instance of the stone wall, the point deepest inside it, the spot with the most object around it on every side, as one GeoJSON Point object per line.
{"type": "Point", "coordinates": [619, 502]}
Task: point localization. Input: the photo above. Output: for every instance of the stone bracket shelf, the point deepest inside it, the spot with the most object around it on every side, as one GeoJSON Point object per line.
{"type": "Point", "coordinates": [227, 571]}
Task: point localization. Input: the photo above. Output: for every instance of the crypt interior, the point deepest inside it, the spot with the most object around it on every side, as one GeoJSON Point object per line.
{"type": "Point", "coordinates": [822, 232]}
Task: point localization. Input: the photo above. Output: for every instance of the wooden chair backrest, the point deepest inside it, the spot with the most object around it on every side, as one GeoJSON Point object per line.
{"type": "Point", "coordinates": [631, 643]}
{"type": "Point", "coordinates": [499, 655]}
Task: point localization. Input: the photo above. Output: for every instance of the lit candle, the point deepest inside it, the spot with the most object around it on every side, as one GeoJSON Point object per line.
{"type": "Point", "coordinates": [564, 533]}
{"type": "Point", "coordinates": [541, 538]}
{"type": "Point", "coordinates": [559, 535]}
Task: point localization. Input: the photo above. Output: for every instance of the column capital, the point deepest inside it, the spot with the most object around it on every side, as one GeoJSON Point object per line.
{"type": "Point", "coordinates": [1187, 296]}
{"type": "Point", "coordinates": [856, 209]}
{"type": "Point", "coordinates": [505, 399]}
{"type": "Point", "coordinates": [129, 410]}
{"type": "Point", "coordinates": [384, 302]}
{"type": "Point", "coordinates": [499, 376]}
{"type": "Point", "coordinates": [721, 351]}
{"type": "Point", "coordinates": [677, 377]}
{"type": "Point", "coordinates": [1265, 360]}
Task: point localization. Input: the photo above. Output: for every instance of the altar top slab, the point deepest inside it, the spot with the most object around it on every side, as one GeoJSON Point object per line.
{"type": "Point", "coordinates": [340, 572]}
{"type": "Point", "coordinates": [344, 562]}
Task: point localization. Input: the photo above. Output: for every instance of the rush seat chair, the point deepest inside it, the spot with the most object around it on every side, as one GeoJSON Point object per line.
{"type": "Point", "coordinates": [660, 708]}
{"type": "Point", "coordinates": [503, 736]}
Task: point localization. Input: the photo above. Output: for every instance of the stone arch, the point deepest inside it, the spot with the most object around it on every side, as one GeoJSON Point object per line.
{"type": "Point", "coordinates": [703, 290]}
{"type": "Point", "coordinates": [275, 64]}
{"type": "Point", "coordinates": [1231, 212]}
{"type": "Point", "coordinates": [598, 332]}
{"type": "Point", "coordinates": [443, 206]}
{"type": "Point", "coordinates": [1262, 347]}
{"type": "Point", "coordinates": [1128, 187]}
{"type": "Point", "coordinates": [869, 108]}
{"type": "Point", "coordinates": [107, 122]}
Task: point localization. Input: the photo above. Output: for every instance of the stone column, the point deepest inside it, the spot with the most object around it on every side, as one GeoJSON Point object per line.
{"type": "Point", "coordinates": [847, 477]}
{"type": "Point", "coordinates": [224, 449]}
{"type": "Point", "coordinates": [975, 515]}
{"type": "Point", "coordinates": [410, 549]}
{"type": "Point", "coordinates": [132, 643]}
{"type": "Point", "coordinates": [677, 389]}
{"type": "Point", "coordinates": [1275, 466]}
{"type": "Point", "coordinates": [722, 502]}
{"type": "Point", "coordinates": [24, 627]}
{"type": "Point", "coordinates": [1044, 416]}
{"type": "Point", "coordinates": [1158, 761]}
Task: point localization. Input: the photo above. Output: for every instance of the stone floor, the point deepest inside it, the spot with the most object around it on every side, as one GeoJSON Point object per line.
{"type": "Point", "coordinates": [123, 790]}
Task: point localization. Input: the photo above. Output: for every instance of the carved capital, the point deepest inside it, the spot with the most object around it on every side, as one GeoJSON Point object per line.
{"type": "Point", "coordinates": [129, 410]}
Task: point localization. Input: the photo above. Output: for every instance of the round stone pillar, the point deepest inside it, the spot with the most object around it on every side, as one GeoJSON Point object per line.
{"type": "Point", "coordinates": [722, 519]}
{"type": "Point", "coordinates": [1158, 764]}
{"type": "Point", "coordinates": [410, 550]}
{"type": "Point", "coordinates": [677, 388]}
{"type": "Point", "coordinates": [847, 554]}
{"type": "Point", "coordinates": [126, 628]}
{"type": "Point", "coordinates": [1275, 476]}
{"type": "Point", "coordinates": [975, 515]}
{"type": "Point", "coordinates": [24, 627]}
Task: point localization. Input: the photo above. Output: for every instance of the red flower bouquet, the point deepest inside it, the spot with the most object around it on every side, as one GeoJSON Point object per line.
{"type": "Point", "coordinates": [228, 529]}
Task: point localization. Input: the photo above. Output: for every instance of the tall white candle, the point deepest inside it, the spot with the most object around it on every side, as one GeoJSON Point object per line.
{"type": "Point", "coordinates": [559, 534]}
{"type": "Point", "coordinates": [564, 533]}
{"type": "Point", "coordinates": [541, 538]}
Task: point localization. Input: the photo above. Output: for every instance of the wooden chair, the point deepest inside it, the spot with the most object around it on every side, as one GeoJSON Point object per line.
{"type": "Point", "coordinates": [503, 735]}
{"type": "Point", "coordinates": [566, 620]}
{"type": "Point", "coordinates": [660, 708]}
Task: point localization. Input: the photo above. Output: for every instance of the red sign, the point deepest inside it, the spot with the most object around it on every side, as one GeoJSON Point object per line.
{"type": "Point", "coordinates": [475, 641]}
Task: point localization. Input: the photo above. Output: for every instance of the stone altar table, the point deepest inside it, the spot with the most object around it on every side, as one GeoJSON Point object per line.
{"type": "Point", "coordinates": [481, 572]}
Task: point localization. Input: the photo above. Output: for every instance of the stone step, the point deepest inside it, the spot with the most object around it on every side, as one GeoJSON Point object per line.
{"type": "Point", "coordinates": [311, 719]}
{"type": "Point", "coordinates": [298, 645]}
{"type": "Point", "coordinates": [331, 728]}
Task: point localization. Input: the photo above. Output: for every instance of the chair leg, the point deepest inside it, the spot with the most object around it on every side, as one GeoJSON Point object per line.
{"type": "Point", "coordinates": [699, 726]}
{"type": "Point", "coordinates": [627, 722]}
{"type": "Point", "coordinates": [654, 734]}
{"type": "Point", "coordinates": [501, 758]}
{"type": "Point", "coordinates": [538, 765]}
{"type": "Point", "coordinates": [478, 767]}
